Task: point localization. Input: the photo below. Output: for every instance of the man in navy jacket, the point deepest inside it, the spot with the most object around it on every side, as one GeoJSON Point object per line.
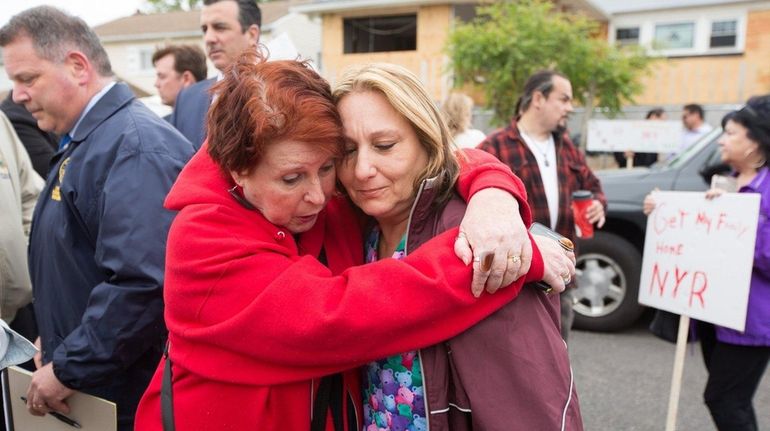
{"type": "Point", "coordinates": [98, 235]}
{"type": "Point", "coordinates": [229, 27]}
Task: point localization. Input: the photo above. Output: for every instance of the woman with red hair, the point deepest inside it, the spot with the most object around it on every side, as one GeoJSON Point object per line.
{"type": "Point", "coordinates": [262, 298]}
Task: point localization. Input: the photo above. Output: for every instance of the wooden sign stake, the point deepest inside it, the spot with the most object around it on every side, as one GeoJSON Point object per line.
{"type": "Point", "coordinates": [676, 378]}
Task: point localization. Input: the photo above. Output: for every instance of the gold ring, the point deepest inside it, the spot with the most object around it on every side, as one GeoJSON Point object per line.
{"type": "Point", "coordinates": [515, 258]}
{"type": "Point", "coordinates": [566, 244]}
{"type": "Point", "coordinates": [485, 260]}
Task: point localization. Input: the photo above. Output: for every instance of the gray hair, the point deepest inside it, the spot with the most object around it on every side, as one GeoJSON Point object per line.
{"type": "Point", "coordinates": [53, 33]}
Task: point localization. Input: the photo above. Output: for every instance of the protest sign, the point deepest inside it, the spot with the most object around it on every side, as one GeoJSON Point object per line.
{"type": "Point", "coordinates": [641, 136]}
{"type": "Point", "coordinates": [698, 256]}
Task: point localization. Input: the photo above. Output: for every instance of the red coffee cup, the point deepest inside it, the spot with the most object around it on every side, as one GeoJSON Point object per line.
{"type": "Point", "coordinates": [581, 200]}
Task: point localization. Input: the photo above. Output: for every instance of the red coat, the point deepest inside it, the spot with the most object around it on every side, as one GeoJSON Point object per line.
{"type": "Point", "coordinates": [253, 317]}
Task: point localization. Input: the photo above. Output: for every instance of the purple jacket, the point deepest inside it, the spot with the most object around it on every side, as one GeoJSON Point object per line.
{"type": "Point", "coordinates": [511, 371]}
{"type": "Point", "coordinates": [757, 331]}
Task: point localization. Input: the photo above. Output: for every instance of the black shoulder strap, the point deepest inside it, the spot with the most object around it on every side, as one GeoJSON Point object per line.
{"type": "Point", "coordinates": [167, 394]}
{"type": "Point", "coordinates": [321, 405]}
{"type": "Point", "coordinates": [329, 396]}
{"type": "Point", "coordinates": [330, 392]}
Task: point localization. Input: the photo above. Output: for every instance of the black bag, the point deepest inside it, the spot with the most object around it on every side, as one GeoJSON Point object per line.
{"type": "Point", "coordinates": [665, 325]}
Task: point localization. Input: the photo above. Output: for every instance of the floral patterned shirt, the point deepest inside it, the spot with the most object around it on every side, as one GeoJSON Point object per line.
{"type": "Point", "coordinates": [392, 387]}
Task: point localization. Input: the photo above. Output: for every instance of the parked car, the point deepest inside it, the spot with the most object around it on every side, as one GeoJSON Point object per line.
{"type": "Point", "coordinates": [609, 264]}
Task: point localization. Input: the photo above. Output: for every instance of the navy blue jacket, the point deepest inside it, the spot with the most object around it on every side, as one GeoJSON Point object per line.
{"type": "Point", "coordinates": [190, 108]}
{"type": "Point", "coordinates": [97, 250]}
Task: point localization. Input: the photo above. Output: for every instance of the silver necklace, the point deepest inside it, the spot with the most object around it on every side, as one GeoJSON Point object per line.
{"type": "Point", "coordinates": [536, 145]}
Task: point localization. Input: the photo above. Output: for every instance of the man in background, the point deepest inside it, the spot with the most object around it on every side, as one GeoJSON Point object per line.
{"type": "Point", "coordinates": [536, 147]}
{"type": "Point", "coordinates": [229, 27]}
{"type": "Point", "coordinates": [177, 67]}
{"type": "Point", "coordinates": [694, 125]}
{"type": "Point", "coordinates": [20, 186]}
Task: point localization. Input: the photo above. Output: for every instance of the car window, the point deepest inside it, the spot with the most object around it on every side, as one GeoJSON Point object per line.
{"type": "Point", "coordinates": [716, 156]}
{"type": "Point", "coordinates": [694, 149]}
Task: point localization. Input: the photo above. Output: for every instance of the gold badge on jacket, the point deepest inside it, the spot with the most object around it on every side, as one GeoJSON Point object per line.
{"type": "Point", "coordinates": [56, 192]}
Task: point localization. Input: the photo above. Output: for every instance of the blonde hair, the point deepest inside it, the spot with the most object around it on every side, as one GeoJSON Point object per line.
{"type": "Point", "coordinates": [409, 98]}
{"type": "Point", "coordinates": [457, 110]}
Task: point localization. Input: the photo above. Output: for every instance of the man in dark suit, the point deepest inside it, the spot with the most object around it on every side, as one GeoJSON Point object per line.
{"type": "Point", "coordinates": [229, 27]}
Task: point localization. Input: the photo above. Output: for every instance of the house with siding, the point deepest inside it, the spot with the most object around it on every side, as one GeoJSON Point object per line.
{"type": "Point", "coordinates": [412, 33]}
{"type": "Point", "coordinates": [712, 52]}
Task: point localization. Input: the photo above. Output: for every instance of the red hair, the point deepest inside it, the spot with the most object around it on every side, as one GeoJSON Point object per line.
{"type": "Point", "coordinates": [260, 103]}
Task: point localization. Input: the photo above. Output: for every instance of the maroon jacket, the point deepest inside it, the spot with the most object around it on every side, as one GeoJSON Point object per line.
{"type": "Point", "coordinates": [573, 172]}
{"type": "Point", "coordinates": [509, 372]}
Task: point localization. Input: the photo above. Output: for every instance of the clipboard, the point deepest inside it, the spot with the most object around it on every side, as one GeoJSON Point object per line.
{"type": "Point", "coordinates": [90, 412]}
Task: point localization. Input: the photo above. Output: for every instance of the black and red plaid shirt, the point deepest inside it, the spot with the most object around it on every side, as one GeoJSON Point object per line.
{"type": "Point", "coordinates": [571, 168]}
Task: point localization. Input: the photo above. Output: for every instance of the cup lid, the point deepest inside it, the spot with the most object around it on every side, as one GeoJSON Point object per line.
{"type": "Point", "coordinates": [581, 194]}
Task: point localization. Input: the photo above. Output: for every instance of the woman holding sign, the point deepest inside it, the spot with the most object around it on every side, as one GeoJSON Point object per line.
{"type": "Point", "coordinates": [736, 360]}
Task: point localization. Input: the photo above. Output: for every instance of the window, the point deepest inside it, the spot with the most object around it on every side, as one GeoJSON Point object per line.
{"type": "Point", "coordinates": [723, 34]}
{"type": "Point", "coordinates": [465, 12]}
{"type": "Point", "coordinates": [684, 33]}
{"type": "Point", "coordinates": [139, 59]}
{"type": "Point", "coordinates": [627, 36]}
{"type": "Point", "coordinates": [381, 33]}
{"type": "Point", "coordinates": [145, 59]}
{"type": "Point", "coordinates": [675, 36]}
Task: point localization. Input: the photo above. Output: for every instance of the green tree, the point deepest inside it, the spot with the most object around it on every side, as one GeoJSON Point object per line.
{"type": "Point", "coordinates": [510, 40]}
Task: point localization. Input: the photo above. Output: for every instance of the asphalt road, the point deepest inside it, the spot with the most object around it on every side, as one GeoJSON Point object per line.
{"type": "Point", "coordinates": [623, 382]}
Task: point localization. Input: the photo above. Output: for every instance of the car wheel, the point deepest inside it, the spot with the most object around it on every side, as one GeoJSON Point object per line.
{"type": "Point", "coordinates": [607, 278]}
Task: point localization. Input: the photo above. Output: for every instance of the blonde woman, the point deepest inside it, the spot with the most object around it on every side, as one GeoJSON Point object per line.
{"type": "Point", "coordinates": [511, 370]}
{"type": "Point", "coordinates": [458, 109]}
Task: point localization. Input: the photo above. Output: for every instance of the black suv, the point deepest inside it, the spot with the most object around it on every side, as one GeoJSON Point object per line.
{"type": "Point", "coordinates": [609, 264]}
